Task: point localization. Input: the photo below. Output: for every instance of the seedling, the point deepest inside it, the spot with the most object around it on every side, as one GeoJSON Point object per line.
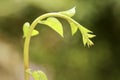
{"type": "Point", "coordinates": [50, 19]}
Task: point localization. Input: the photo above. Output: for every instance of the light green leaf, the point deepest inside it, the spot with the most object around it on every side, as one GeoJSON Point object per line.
{"type": "Point", "coordinates": [54, 23]}
{"type": "Point", "coordinates": [91, 35]}
{"type": "Point", "coordinates": [70, 12]}
{"type": "Point", "coordinates": [83, 29]}
{"type": "Point", "coordinates": [26, 27]}
{"type": "Point", "coordinates": [35, 32]}
{"type": "Point", "coordinates": [74, 27]}
{"type": "Point", "coordinates": [37, 75]}
{"type": "Point", "coordinates": [86, 34]}
{"type": "Point", "coordinates": [42, 75]}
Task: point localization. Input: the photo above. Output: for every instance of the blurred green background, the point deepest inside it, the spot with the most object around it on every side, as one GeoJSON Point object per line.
{"type": "Point", "coordinates": [67, 58]}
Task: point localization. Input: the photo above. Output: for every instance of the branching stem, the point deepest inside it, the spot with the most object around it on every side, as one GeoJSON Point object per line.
{"type": "Point", "coordinates": [28, 37]}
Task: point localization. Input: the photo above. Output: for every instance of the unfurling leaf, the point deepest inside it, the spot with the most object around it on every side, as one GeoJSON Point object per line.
{"type": "Point", "coordinates": [26, 28]}
{"type": "Point", "coordinates": [37, 75]}
{"type": "Point", "coordinates": [86, 34]}
{"type": "Point", "coordinates": [73, 26]}
{"type": "Point", "coordinates": [70, 12]}
{"type": "Point", "coordinates": [54, 23]}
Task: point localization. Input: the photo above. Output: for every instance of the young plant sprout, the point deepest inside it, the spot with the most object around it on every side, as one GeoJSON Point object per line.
{"type": "Point", "coordinates": [50, 19]}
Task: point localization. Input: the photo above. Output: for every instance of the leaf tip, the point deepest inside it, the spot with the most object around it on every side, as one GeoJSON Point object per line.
{"type": "Point", "coordinates": [74, 8]}
{"type": "Point", "coordinates": [69, 13]}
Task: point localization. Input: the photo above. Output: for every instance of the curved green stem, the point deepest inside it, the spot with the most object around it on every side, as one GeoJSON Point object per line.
{"type": "Point", "coordinates": [28, 37]}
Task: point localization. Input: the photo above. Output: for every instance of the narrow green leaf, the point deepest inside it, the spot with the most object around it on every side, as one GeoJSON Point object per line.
{"type": "Point", "coordinates": [91, 35]}
{"type": "Point", "coordinates": [86, 34]}
{"type": "Point", "coordinates": [55, 24]}
{"type": "Point", "coordinates": [83, 29]}
{"type": "Point", "coordinates": [74, 27]}
{"type": "Point", "coordinates": [70, 12]}
{"type": "Point", "coordinates": [90, 43]}
{"type": "Point", "coordinates": [26, 27]}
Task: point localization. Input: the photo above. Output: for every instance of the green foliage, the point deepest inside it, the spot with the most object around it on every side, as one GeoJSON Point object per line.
{"type": "Point", "coordinates": [54, 23]}
{"type": "Point", "coordinates": [26, 28]}
{"type": "Point", "coordinates": [75, 26]}
{"type": "Point", "coordinates": [50, 20]}
{"type": "Point", "coordinates": [70, 12]}
{"type": "Point", "coordinates": [86, 36]}
{"type": "Point", "coordinates": [37, 75]}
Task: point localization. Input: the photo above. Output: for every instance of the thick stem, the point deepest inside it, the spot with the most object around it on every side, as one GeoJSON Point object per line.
{"type": "Point", "coordinates": [28, 37]}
